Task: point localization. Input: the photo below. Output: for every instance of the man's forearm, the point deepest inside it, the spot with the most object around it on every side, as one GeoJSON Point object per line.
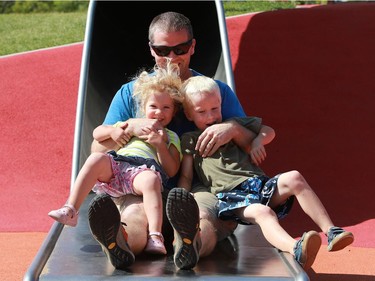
{"type": "Point", "coordinates": [104, 146]}
{"type": "Point", "coordinates": [243, 137]}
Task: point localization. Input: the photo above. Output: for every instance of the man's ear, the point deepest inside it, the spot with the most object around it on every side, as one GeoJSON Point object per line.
{"type": "Point", "coordinates": [152, 53]}
{"type": "Point", "coordinates": [193, 47]}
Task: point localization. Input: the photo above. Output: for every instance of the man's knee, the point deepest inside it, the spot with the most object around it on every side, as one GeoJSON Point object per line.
{"type": "Point", "coordinates": [225, 229]}
{"type": "Point", "coordinates": [135, 221]}
{"type": "Point", "coordinates": [212, 224]}
{"type": "Point", "coordinates": [133, 211]}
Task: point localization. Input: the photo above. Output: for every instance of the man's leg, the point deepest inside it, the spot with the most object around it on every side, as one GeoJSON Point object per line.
{"type": "Point", "coordinates": [134, 217]}
{"type": "Point", "coordinates": [135, 221]}
{"type": "Point", "coordinates": [213, 229]}
{"type": "Point", "coordinates": [184, 212]}
{"type": "Point", "coordinates": [105, 226]}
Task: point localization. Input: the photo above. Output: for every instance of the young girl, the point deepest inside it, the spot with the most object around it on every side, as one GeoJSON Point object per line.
{"type": "Point", "coordinates": [143, 164]}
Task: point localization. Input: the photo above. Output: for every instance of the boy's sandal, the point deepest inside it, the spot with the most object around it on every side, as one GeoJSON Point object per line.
{"type": "Point", "coordinates": [338, 238]}
{"type": "Point", "coordinates": [306, 249]}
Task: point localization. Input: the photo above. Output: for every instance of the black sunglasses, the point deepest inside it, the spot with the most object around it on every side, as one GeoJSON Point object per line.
{"type": "Point", "coordinates": [180, 49]}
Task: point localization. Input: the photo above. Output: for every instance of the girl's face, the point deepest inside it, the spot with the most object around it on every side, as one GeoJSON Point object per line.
{"type": "Point", "coordinates": [160, 106]}
{"type": "Point", "coordinates": [204, 110]}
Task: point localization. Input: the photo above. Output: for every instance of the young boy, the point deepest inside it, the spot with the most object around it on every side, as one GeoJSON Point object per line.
{"type": "Point", "coordinates": [245, 193]}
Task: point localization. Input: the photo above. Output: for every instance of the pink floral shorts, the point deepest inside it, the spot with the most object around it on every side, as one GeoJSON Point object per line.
{"type": "Point", "coordinates": [122, 180]}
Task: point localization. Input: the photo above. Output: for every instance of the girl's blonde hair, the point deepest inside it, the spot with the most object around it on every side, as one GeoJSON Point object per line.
{"type": "Point", "coordinates": [164, 79]}
{"type": "Point", "coordinates": [197, 85]}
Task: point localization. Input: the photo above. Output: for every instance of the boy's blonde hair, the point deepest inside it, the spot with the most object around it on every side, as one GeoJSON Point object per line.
{"type": "Point", "coordinates": [165, 80]}
{"type": "Point", "coordinates": [198, 85]}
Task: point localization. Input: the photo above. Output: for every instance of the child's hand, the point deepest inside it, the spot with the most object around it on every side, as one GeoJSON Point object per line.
{"type": "Point", "coordinates": [120, 136]}
{"type": "Point", "coordinates": [258, 152]}
{"type": "Point", "coordinates": [155, 138]}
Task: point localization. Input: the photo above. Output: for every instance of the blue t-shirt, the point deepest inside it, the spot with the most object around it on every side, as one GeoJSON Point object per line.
{"type": "Point", "coordinates": [123, 107]}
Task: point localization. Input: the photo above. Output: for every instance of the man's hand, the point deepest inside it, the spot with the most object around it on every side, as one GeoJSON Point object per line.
{"type": "Point", "coordinates": [140, 126]}
{"type": "Point", "coordinates": [213, 137]}
{"type": "Point", "coordinates": [120, 136]}
{"type": "Point", "coordinates": [105, 139]}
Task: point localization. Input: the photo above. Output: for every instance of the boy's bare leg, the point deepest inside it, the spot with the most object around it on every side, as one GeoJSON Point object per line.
{"type": "Point", "coordinates": [303, 250]}
{"type": "Point", "coordinates": [293, 183]}
{"type": "Point", "coordinates": [266, 218]}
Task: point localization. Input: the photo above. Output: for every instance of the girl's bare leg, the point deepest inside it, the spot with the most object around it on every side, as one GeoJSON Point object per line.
{"type": "Point", "coordinates": [97, 167]}
{"type": "Point", "coordinates": [148, 184]}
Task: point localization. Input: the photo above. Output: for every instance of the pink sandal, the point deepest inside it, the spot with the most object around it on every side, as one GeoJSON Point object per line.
{"type": "Point", "coordinates": [62, 215]}
{"type": "Point", "coordinates": [155, 244]}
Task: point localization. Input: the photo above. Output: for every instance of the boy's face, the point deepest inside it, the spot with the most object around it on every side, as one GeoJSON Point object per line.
{"type": "Point", "coordinates": [160, 106]}
{"type": "Point", "coordinates": [204, 109]}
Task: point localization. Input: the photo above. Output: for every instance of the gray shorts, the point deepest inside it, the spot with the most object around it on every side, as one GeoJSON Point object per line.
{"type": "Point", "coordinates": [208, 204]}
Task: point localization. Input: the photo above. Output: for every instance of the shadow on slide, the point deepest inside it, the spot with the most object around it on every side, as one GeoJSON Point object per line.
{"type": "Point", "coordinates": [115, 48]}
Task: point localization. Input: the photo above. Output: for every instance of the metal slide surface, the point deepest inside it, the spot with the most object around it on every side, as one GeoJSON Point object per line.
{"type": "Point", "coordinates": [244, 256]}
{"type": "Point", "coordinates": [115, 48]}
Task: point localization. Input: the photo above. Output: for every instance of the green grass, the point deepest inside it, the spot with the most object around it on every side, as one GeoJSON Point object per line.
{"type": "Point", "coordinates": [233, 8]}
{"type": "Point", "coordinates": [26, 32]}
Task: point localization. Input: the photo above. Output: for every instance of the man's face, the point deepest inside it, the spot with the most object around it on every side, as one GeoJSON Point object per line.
{"type": "Point", "coordinates": [171, 39]}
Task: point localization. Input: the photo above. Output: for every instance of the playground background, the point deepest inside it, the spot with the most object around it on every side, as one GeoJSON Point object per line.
{"type": "Point", "coordinates": [309, 74]}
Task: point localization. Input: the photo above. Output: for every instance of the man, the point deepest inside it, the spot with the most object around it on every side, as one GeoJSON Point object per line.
{"type": "Point", "coordinates": [196, 227]}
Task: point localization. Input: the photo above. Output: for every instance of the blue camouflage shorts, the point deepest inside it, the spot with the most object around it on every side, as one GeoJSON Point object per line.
{"type": "Point", "coordinates": [257, 189]}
